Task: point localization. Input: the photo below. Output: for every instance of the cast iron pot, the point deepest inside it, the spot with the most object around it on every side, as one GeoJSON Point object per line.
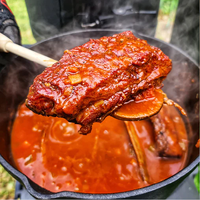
{"type": "Point", "coordinates": [181, 85]}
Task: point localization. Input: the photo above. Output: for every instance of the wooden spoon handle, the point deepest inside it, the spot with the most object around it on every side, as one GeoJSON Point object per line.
{"type": "Point", "coordinates": [6, 45]}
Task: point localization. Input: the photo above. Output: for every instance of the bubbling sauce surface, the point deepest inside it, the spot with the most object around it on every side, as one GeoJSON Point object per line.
{"type": "Point", "coordinates": [52, 153]}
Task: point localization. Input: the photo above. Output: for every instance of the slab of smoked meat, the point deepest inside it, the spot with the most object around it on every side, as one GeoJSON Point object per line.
{"type": "Point", "coordinates": [92, 80]}
{"type": "Point", "coordinates": [166, 134]}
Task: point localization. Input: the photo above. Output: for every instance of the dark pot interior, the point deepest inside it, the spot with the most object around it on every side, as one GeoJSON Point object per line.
{"type": "Point", "coordinates": [182, 85]}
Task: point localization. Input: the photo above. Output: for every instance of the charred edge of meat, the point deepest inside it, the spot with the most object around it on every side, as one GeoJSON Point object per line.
{"type": "Point", "coordinates": [43, 113]}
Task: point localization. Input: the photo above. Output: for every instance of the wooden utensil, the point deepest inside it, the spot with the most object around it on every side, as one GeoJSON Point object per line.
{"type": "Point", "coordinates": [7, 45]}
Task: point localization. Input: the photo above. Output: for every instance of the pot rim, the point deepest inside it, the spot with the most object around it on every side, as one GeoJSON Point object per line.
{"type": "Point", "coordinates": [26, 181]}
{"type": "Point", "coordinates": [118, 30]}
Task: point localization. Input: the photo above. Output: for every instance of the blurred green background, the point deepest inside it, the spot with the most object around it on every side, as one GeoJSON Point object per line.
{"type": "Point", "coordinates": [19, 10]}
{"type": "Point", "coordinates": [18, 7]}
{"type": "Point", "coordinates": [165, 19]}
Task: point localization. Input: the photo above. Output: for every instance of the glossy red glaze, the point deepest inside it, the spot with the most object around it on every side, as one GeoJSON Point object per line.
{"type": "Point", "coordinates": [94, 79]}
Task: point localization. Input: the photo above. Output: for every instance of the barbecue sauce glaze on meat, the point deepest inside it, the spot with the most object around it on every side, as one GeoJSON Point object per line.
{"type": "Point", "coordinates": [91, 81]}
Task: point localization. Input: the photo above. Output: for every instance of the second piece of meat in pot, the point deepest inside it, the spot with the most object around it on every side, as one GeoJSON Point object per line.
{"type": "Point", "coordinates": [166, 134]}
{"type": "Point", "coordinates": [91, 81]}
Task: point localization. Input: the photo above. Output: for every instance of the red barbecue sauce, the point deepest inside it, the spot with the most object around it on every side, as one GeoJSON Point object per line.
{"type": "Point", "coordinates": [52, 154]}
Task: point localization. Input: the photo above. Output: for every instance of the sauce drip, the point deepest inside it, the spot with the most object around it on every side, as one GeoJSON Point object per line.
{"type": "Point", "coordinates": [52, 153]}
